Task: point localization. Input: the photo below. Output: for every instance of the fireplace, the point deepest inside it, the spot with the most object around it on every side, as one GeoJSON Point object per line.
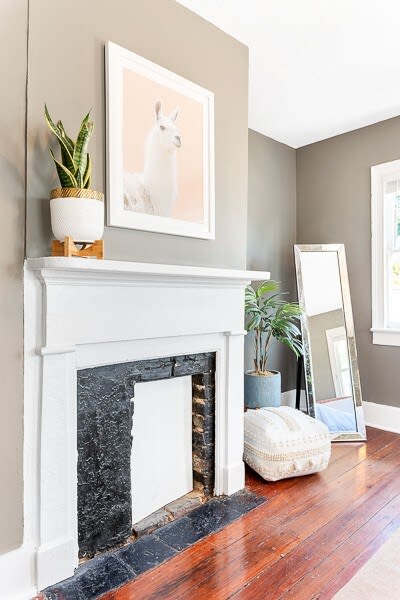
{"type": "Point", "coordinates": [106, 405]}
{"type": "Point", "coordinates": [84, 316]}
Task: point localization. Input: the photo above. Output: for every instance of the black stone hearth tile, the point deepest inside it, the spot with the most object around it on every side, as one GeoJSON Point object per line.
{"type": "Point", "coordinates": [101, 575]}
{"type": "Point", "coordinates": [245, 501]}
{"type": "Point", "coordinates": [109, 571]}
{"type": "Point", "coordinates": [179, 534]}
{"type": "Point", "coordinates": [64, 591]}
{"type": "Point", "coordinates": [146, 553]}
{"type": "Point", "coordinates": [213, 516]}
{"type": "Point", "coordinates": [91, 580]}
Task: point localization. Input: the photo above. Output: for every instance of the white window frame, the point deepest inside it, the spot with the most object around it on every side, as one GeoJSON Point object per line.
{"type": "Point", "coordinates": [333, 336]}
{"type": "Point", "coordinates": [382, 333]}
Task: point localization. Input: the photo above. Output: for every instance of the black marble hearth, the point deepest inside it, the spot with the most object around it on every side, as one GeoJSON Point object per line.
{"type": "Point", "coordinates": [105, 411]}
{"type": "Point", "coordinates": [112, 569]}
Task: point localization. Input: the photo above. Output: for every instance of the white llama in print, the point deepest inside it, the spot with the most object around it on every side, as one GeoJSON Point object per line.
{"type": "Point", "coordinates": [155, 191]}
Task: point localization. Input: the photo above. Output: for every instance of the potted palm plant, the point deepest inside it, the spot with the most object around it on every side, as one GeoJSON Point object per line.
{"type": "Point", "coordinates": [271, 318]}
{"type": "Point", "coordinates": [76, 210]}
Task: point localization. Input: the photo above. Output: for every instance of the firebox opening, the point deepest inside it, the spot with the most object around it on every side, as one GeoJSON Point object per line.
{"type": "Point", "coordinates": [128, 479]}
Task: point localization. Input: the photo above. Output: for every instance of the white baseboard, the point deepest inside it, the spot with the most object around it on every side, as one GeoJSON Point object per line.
{"type": "Point", "coordinates": [379, 416]}
{"type": "Point", "coordinates": [382, 416]}
{"type": "Point", "coordinates": [56, 562]}
{"type": "Point", "coordinates": [17, 574]}
{"type": "Point", "coordinates": [233, 478]}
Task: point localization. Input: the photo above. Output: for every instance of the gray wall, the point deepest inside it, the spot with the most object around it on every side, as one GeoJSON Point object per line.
{"type": "Point", "coordinates": [323, 379]}
{"type": "Point", "coordinates": [13, 23]}
{"type": "Point", "coordinates": [271, 230]}
{"type": "Point", "coordinates": [334, 205]}
{"type": "Point", "coordinates": [69, 77]}
{"type": "Point", "coordinates": [67, 73]}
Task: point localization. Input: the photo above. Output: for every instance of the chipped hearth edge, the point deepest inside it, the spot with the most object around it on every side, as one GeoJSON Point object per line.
{"type": "Point", "coordinates": [45, 281]}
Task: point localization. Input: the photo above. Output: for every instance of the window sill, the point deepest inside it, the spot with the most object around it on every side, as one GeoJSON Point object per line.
{"type": "Point", "coordinates": [386, 337]}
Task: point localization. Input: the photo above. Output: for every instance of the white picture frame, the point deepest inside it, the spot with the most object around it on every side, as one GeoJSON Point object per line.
{"type": "Point", "coordinates": [123, 191]}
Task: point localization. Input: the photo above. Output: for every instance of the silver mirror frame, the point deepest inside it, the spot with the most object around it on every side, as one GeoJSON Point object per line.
{"type": "Point", "coordinates": [360, 434]}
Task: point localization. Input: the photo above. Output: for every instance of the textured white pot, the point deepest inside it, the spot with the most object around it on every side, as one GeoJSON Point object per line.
{"type": "Point", "coordinates": [77, 213]}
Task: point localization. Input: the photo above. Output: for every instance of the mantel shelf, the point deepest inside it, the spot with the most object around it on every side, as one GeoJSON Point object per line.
{"type": "Point", "coordinates": [84, 269]}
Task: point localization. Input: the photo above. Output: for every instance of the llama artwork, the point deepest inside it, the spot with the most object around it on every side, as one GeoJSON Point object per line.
{"type": "Point", "coordinates": [160, 161]}
{"type": "Point", "coordinates": [155, 191]}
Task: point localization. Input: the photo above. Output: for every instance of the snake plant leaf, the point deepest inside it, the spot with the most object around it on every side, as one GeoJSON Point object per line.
{"type": "Point", "coordinates": [80, 150]}
{"type": "Point", "coordinates": [88, 173]}
{"type": "Point", "coordinates": [65, 176]}
{"type": "Point", "coordinates": [68, 160]}
{"type": "Point", "coordinates": [66, 155]}
{"type": "Point", "coordinates": [70, 143]}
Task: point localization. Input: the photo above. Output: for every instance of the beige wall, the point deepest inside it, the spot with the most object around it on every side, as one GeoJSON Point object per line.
{"type": "Point", "coordinates": [333, 205]}
{"type": "Point", "coordinates": [13, 23]}
{"type": "Point", "coordinates": [68, 75]}
{"type": "Point", "coordinates": [271, 230]}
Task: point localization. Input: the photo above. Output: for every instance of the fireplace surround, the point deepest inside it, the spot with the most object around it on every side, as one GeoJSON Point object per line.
{"type": "Point", "coordinates": [83, 314]}
{"type": "Point", "coordinates": [106, 398]}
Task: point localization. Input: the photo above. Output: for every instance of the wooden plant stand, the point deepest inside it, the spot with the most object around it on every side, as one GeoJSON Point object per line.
{"type": "Point", "coordinates": [69, 248]}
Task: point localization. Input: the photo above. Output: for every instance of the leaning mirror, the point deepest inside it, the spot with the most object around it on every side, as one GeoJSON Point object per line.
{"type": "Point", "coordinates": [332, 380]}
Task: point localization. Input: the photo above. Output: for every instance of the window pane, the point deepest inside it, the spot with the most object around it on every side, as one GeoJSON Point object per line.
{"type": "Point", "coordinates": [342, 353]}
{"type": "Point", "coordinates": [395, 270]}
{"type": "Point", "coordinates": [392, 210]}
{"type": "Point", "coordinates": [394, 289]}
{"type": "Point", "coordinates": [346, 383]}
{"type": "Point", "coordinates": [396, 244]}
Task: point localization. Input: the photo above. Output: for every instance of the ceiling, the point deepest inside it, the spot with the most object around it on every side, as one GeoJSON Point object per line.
{"type": "Point", "coordinates": [318, 68]}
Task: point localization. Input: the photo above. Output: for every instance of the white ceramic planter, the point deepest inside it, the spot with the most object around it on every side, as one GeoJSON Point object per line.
{"type": "Point", "coordinates": [81, 218]}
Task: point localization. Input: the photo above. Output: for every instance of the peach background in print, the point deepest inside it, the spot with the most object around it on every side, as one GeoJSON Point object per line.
{"type": "Point", "coordinates": [140, 96]}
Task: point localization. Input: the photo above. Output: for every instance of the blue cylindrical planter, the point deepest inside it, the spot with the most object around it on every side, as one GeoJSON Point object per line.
{"type": "Point", "coordinates": [262, 390]}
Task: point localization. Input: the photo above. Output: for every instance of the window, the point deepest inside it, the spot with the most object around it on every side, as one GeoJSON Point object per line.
{"type": "Point", "coordinates": [339, 359]}
{"type": "Point", "coordinates": [385, 196]}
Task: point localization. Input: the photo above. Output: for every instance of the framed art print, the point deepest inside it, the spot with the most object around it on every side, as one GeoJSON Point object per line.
{"type": "Point", "coordinates": [160, 148]}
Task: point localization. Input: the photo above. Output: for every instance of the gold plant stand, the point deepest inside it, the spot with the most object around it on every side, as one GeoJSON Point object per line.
{"type": "Point", "coordinates": [69, 248]}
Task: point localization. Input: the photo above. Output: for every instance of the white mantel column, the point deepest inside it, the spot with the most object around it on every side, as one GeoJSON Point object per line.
{"type": "Point", "coordinates": [57, 555]}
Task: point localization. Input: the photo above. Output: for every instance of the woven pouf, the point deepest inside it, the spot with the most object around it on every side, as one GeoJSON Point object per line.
{"type": "Point", "coordinates": [284, 442]}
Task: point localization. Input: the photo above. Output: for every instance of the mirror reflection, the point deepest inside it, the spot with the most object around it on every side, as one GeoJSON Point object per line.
{"type": "Point", "coordinates": [329, 378]}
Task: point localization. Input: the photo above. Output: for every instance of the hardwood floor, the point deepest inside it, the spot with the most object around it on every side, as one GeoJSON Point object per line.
{"type": "Point", "coordinates": [305, 543]}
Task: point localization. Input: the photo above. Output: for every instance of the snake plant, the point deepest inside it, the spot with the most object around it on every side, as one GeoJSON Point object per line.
{"type": "Point", "coordinates": [74, 169]}
{"type": "Point", "coordinates": [271, 318]}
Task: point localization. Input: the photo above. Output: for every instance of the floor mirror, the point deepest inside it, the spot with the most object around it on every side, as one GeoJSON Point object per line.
{"type": "Point", "coordinates": [332, 382]}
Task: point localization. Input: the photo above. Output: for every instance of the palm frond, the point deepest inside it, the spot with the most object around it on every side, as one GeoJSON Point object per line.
{"type": "Point", "coordinates": [271, 317]}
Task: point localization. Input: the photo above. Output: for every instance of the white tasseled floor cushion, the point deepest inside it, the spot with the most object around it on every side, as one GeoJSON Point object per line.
{"type": "Point", "coordinates": [284, 442]}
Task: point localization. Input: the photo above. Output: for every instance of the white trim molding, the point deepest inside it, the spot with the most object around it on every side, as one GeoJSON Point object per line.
{"type": "Point", "coordinates": [382, 416]}
{"type": "Point", "coordinates": [382, 333]}
{"type": "Point", "coordinates": [83, 313]}
{"type": "Point", "coordinates": [386, 337]}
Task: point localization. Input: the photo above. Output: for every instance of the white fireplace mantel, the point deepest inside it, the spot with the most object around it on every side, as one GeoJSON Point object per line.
{"type": "Point", "coordinates": [82, 313]}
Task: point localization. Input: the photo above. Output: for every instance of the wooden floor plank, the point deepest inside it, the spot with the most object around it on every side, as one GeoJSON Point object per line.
{"type": "Point", "coordinates": [300, 570]}
{"type": "Point", "coordinates": [360, 558]}
{"type": "Point", "coordinates": [304, 520]}
{"type": "Point", "coordinates": [291, 544]}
